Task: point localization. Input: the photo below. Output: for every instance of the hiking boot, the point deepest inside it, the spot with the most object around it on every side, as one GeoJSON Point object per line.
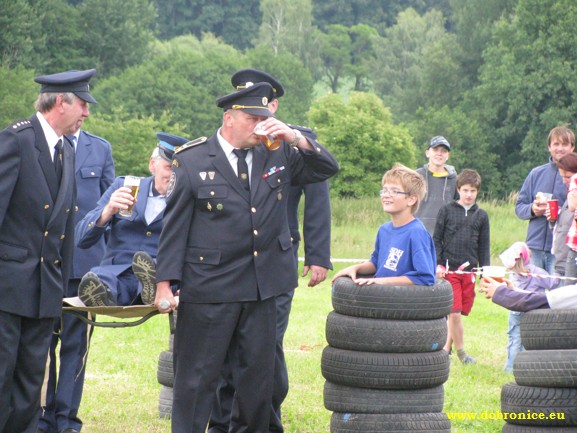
{"type": "Point", "coordinates": [144, 268]}
{"type": "Point", "coordinates": [93, 292]}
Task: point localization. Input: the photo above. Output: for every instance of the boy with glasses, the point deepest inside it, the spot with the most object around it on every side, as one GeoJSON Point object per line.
{"type": "Point", "coordinates": [404, 251]}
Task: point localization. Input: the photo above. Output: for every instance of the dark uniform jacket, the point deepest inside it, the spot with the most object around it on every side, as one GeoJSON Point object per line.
{"type": "Point", "coordinates": [36, 222]}
{"type": "Point", "coordinates": [316, 215]}
{"type": "Point", "coordinates": [225, 244]}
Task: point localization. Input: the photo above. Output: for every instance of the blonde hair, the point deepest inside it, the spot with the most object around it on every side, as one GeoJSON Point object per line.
{"type": "Point", "coordinates": [411, 181]}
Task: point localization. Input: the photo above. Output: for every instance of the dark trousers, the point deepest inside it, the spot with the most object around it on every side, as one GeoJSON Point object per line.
{"type": "Point", "coordinates": [24, 344]}
{"type": "Point", "coordinates": [221, 410]}
{"type": "Point", "coordinates": [64, 389]}
{"type": "Point", "coordinates": [205, 334]}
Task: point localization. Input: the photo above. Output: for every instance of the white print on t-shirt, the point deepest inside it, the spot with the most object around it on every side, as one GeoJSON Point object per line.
{"type": "Point", "coordinates": [393, 259]}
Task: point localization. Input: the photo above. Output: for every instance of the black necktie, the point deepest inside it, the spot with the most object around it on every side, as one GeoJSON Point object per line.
{"type": "Point", "coordinates": [58, 160]}
{"type": "Point", "coordinates": [242, 167]}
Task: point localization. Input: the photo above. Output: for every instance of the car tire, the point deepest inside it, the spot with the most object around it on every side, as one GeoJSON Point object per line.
{"type": "Point", "coordinates": [348, 399]}
{"type": "Point", "coordinates": [165, 372]}
{"type": "Point", "coordinates": [400, 422]}
{"type": "Point", "coordinates": [385, 370]}
{"type": "Point", "coordinates": [522, 401]}
{"type": "Point", "coordinates": [380, 335]}
{"type": "Point", "coordinates": [546, 368]}
{"type": "Point", "coordinates": [165, 402]}
{"type": "Point", "coordinates": [379, 301]}
{"type": "Point", "coordinates": [549, 329]}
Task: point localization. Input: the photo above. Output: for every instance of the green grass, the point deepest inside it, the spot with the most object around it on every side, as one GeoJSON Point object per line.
{"type": "Point", "coordinates": [121, 391]}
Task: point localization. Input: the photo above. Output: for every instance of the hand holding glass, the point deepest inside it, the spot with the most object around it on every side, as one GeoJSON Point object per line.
{"type": "Point", "coordinates": [132, 182]}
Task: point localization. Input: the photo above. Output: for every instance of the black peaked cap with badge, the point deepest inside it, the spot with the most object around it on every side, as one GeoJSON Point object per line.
{"type": "Point", "coordinates": [253, 100]}
{"type": "Point", "coordinates": [77, 82]}
{"type": "Point", "coordinates": [248, 77]}
{"type": "Point", "coordinates": [167, 144]}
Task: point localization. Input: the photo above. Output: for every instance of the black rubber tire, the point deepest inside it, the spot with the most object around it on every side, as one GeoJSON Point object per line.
{"type": "Point", "coordinates": [390, 423]}
{"type": "Point", "coordinates": [546, 368]}
{"type": "Point", "coordinates": [165, 373]}
{"type": "Point", "coordinates": [379, 335]}
{"type": "Point", "coordinates": [339, 398]}
{"type": "Point", "coordinates": [522, 401]}
{"type": "Point", "coordinates": [549, 329]}
{"type": "Point", "coordinates": [385, 370]}
{"type": "Point", "coordinates": [165, 402]}
{"type": "Point", "coordinates": [512, 428]}
{"type": "Point", "coordinates": [379, 301]}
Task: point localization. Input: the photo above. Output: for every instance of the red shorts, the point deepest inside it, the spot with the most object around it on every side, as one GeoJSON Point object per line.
{"type": "Point", "coordinates": [463, 292]}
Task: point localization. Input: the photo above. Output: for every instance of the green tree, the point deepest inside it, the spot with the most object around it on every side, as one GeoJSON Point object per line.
{"type": "Point", "coordinates": [236, 22]}
{"type": "Point", "coordinates": [473, 23]}
{"type": "Point", "coordinates": [20, 24]}
{"type": "Point", "coordinates": [116, 33]}
{"type": "Point", "coordinates": [364, 38]}
{"type": "Point", "coordinates": [360, 134]}
{"type": "Point", "coordinates": [336, 54]}
{"type": "Point", "coordinates": [18, 91]}
{"type": "Point", "coordinates": [376, 13]}
{"type": "Point", "coordinates": [527, 84]}
{"type": "Point", "coordinates": [416, 65]}
{"type": "Point", "coordinates": [61, 48]}
{"type": "Point", "coordinates": [182, 77]}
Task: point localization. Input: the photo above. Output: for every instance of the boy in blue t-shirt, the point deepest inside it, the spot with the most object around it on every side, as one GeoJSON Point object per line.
{"type": "Point", "coordinates": [404, 251]}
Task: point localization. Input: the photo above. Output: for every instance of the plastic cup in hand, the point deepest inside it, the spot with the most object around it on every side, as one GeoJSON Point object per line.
{"type": "Point", "coordinates": [271, 143]}
{"type": "Point", "coordinates": [495, 272]}
{"type": "Point", "coordinates": [132, 182]}
{"type": "Point", "coordinates": [553, 209]}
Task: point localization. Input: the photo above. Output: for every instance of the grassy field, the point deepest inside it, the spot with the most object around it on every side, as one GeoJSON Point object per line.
{"type": "Point", "coordinates": [121, 391]}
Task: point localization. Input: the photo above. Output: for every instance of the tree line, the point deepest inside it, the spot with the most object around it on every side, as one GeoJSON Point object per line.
{"type": "Point", "coordinates": [375, 79]}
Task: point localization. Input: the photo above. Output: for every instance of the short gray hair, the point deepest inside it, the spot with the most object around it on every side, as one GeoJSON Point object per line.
{"type": "Point", "coordinates": [45, 101]}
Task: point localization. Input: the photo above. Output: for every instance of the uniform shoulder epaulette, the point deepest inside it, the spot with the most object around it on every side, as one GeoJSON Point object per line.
{"type": "Point", "coordinates": [21, 124]}
{"type": "Point", "coordinates": [96, 137]}
{"type": "Point", "coordinates": [190, 144]}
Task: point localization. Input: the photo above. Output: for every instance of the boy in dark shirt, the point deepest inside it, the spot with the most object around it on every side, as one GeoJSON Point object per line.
{"type": "Point", "coordinates": [462, 237]}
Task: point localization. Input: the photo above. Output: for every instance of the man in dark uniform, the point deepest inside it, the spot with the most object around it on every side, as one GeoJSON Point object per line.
{"type": "Point", "coordinates": [317, 237]}
{"type": "Point", "coordinates": [94, 174]}
{"type": "Point", "coordinates": [227, 243]}
{"type": "Point", "coordinates": [37, 205]}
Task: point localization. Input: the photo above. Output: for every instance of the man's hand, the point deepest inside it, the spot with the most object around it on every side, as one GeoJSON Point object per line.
{"type": "Point", "coordinates": [120, 199]}
{"type": "Point", "coordinates": [318, 274]}
{"type": "Point", "coordinates": [165, 300]}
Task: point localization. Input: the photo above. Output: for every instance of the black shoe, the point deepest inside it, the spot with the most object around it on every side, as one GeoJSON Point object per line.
{"type": "Point", "coordinates": [144, 268]}
{"type": "Point", "coordinates": [70, 430]}
{"type": "Point", "coordinates": [94, 292]}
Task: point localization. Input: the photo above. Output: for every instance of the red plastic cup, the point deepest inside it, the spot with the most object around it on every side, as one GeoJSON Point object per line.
{"type": "Point", "coordinates": [553, 209]}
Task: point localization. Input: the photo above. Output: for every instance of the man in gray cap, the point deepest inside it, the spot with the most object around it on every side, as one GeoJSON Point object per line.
{"type": "Point", "coordinates": [37, 205]}
{"type": "Point", "coordinates": [441, 181]}
{"type": "Point", "coordinates": [226, 242]}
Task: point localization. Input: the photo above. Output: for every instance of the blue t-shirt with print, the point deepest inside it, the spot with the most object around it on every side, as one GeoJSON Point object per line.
{"type": "Point", "coordinates": [405, 251]}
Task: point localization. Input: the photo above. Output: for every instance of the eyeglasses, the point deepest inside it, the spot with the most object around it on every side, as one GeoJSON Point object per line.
{"type": "Point", "coordinates": [393, 192]}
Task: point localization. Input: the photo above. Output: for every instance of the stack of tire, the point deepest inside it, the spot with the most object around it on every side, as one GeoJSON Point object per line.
{"type": "Point", "coordinates": [165, 374]}
{"type": "Point", "coordinates": [384, 365]}
{"type": "Point", "coordinates": [545, 375]}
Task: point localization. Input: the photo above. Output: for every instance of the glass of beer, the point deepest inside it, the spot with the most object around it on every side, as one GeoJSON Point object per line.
{"type": "Point", "coordinates": [132, 182]}
{"type": "Point", "coordinates": [270, 142]}
{"type": "Point", "coordinates": [495, 272]}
